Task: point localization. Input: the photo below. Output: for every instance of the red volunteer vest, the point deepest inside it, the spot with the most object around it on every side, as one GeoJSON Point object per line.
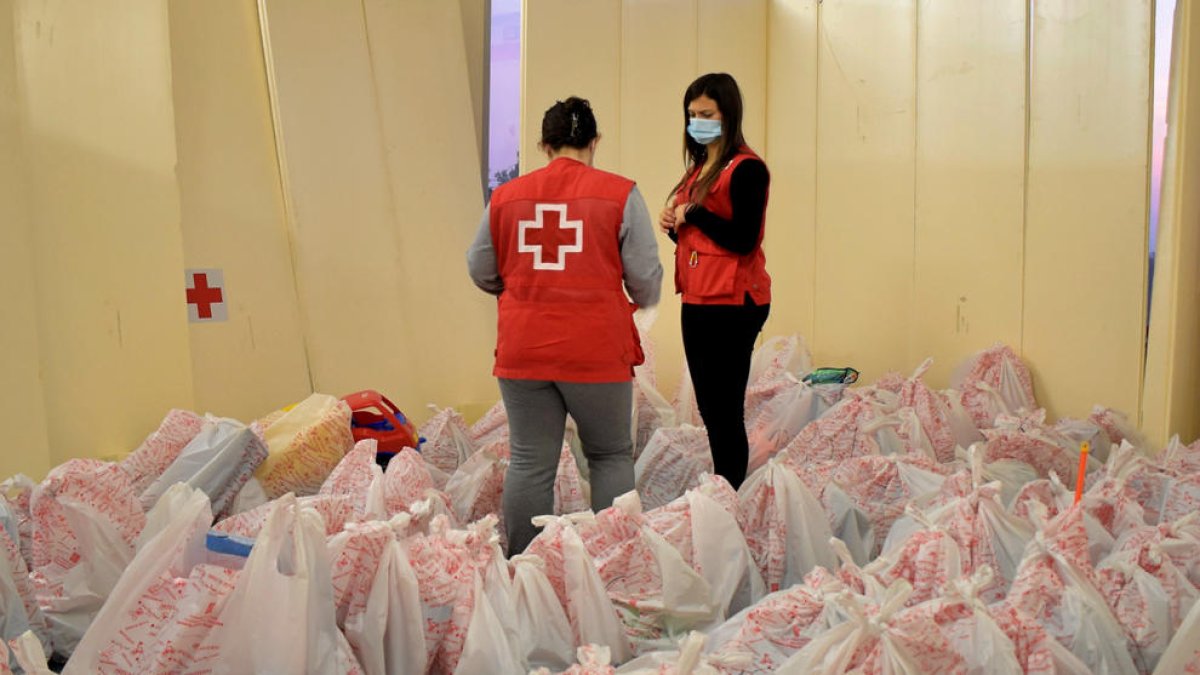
{"type": "Point", "coordinates": [706, 274]}
{"type": "Point", "coordinates": [563, 315]}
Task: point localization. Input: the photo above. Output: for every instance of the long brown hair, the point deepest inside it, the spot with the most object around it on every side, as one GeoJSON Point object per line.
{"type": "Point", "coordinates": [724, 91]}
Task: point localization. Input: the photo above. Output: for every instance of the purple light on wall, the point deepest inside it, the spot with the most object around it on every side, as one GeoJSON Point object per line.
{"type": "Point", "coordinates": [505, 90]}
{"type": "Point", "coordinates": [1163, 23]}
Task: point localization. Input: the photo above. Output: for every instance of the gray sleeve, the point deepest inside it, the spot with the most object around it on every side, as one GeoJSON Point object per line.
{"type": "Point", "coordinates": [639, 252]}
{"type": "Point", "coordinates": [481, 258]}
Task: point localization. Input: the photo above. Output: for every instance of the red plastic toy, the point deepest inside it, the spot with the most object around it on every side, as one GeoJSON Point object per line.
{"type": "Point", "coordinates": [372, 415]}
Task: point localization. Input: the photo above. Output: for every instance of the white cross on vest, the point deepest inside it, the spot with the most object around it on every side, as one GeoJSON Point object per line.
{"type": "Point", "coordinates": [553, 235]}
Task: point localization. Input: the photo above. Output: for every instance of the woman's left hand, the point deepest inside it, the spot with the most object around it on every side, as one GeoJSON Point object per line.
{"type": "Point", "coordinates": [681, 213]}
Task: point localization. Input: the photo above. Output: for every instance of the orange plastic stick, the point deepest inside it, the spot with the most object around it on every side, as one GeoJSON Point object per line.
{"type": "Point", "coordinates": [1083, 457]}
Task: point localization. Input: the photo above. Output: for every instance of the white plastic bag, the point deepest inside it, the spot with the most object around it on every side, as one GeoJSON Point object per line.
{"type": "Point", "coordinates": [445, 570]}
{"type": "Point", "coordinates": [785, 526]}
{"type": "Point", "coordinates": [778, 355]}
{"type": "Point", "coordinates": [889, 637]}
{"type": "Point", "coordinates": [930, 561]}
{"type": "Point", "coordinates": [250, 497]}
{"type": "Point", "coordinates": [656, 592]}
{"type": "Point", "coordinates": [447, 439]}
{"type": "Point", "coordinates": [1183, 654]}
{"type": "Point", "coordinates": [580, 589]}
{"type": "Point", "coordinates": [404, 637]}
{"type": "Point", "coordinates": [305, 444]}
{"type": "Point", "coordinates": [27, 651]}
{"type": "Point", "coordinates": [769, 632]}
{"type": "Point", "coordinates": [962, 425]}
{"type": "Point", "coordinates": [722, 556]}
{"type": "Point", "coordinates": [172, 544]}
{"type": "Point", "coordinates": [672, 462]}
{"type": "Point", "coordinates": [1055, 585]}
{"type": "Point", "coordinates": [571, 492]}
{"type": "Point", "coordinates": [966, 622]}
{"type": "Point", "coordinates": [359, 480]}
{"type": "Point", "coordinates": [71, 607]}
{"type": "Point", "coordinates": [145, 464]}
{"type": "Point", "coordinates": [844, 431]}
{"type": "Point", "coordinates": [594, 659]}
{"type": "Point", "coordinates": [486, 647]}
{"type": "Point", "coordinates": [218, 460]}
{"type": "Point", "coordinates": [1120, 429]}
{"type": "Point", "coordinates": [19, 610]}
{"type": "Point", "coordinates": [378, 601]}
{"type": "Point", "coordinates": [779, 419]}
{"type": "Point", "coordinates": [476, 488]}
{"type": "Point", "coordinates": [280, 616]}
{"type": "Point", "coordinates": [1080, 430]}
{"type": "Point", "coordinates": [934, 411]}
{"type": "Point", "coordinates": [407, 479]}
{"type": "Point", "coordinates": [850, 523]}
{"type": "Point", "coordinates": [490, 428]}
{"type": "Point", "coordinates": [689, 659]}
{"type": "Point", "coordinates": [1141, 605]}
{"type": "Point", "coordinates": [651, 411]}
{"type": "Point", "coordinates": [545, 632]}
{"type": "Point", "coordinates": [992, 382]}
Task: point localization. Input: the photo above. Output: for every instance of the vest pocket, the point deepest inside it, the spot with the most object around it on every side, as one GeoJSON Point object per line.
{"type": "Point", "coordinates": [708, 275]}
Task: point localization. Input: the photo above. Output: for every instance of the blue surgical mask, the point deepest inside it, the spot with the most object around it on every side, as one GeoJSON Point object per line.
{"type": "Point", "coordinates": [704, 131]}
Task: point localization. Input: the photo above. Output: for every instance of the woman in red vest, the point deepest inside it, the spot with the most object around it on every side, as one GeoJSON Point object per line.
{"type": "Point", "coordinates": [560, 247]}
{"type": "Point", "coordinates": [716, 218]}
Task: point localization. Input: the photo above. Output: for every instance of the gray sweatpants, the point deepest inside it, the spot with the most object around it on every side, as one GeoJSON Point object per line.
{"type": "Point", "coordinates": [537, 417]}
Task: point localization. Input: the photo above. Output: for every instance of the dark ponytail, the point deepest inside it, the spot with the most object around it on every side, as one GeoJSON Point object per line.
{"type": "Point", "coordinates": [569, 123]}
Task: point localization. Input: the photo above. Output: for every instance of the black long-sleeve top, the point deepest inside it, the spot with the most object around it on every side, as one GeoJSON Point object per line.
{"type": "Point", "coordinates": [748, 194]}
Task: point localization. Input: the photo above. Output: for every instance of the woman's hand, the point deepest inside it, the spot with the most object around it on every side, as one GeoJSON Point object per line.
{"type": "Point", "coordinates": [666, 220]}
{"type": "Point", "coordinates": [680, 215]}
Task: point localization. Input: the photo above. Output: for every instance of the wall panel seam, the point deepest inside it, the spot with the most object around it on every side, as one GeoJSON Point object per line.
{"type": "Point", "coordinates": [916, 146]}
{"type": "Point", "coordinates": [1028, 75]}
{"type": "Point", "coordinates": [1144, 325]}
{"type": "Point", "coordinates": [285, 188]}
{"type": "Point", "coordinates": [816, 192]}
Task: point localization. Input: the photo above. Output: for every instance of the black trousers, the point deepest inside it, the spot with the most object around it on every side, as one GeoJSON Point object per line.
{"type": "Point", "coordinates": [718, 341]}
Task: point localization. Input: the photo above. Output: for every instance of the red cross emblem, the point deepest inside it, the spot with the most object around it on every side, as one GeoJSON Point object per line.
{"type": "Point", "coordinates": [205, 295]}
{"type": "Point", "coordinates": [555, 235]}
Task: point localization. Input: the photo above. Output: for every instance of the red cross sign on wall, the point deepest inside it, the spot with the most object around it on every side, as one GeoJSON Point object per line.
{"type": "Point", "coordinates": [206, 295]}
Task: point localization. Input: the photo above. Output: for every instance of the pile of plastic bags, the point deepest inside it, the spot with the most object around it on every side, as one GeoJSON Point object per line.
{"type": "Point", "coordinates": [885, 528]}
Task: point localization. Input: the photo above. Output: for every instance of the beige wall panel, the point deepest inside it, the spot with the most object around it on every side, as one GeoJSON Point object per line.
{"type": "Point", "coordinates": [654, 74]}
{"type": "Point", "coordinates": [437, 199]}
{"type": "Point", "coordinates": [476, 22]}
{"type": "Point", "coordinates": [232, 207]}
{"type": "Point", "coordinates": [1185, 395]}
{"type": "Point", "coordinates": [571, 48]}
{"type": "Point", "coordinates": [791, 154]}
{"type": "Point", "coordinates": [865, 160]}
{"type": "Point", "coordinates": [732, 38]}
{"type": "Point", "coordinates": [100, 143]}
{"type": "Point", "coordinates": [22, 403]}
{"type": "Point", "coordinates": [1085, 246]}
{"type": "Point", "coordinates": [343, 214]}
{"type": "Point", "coordinates": [970, 180]}
{"type": "Point", "coordinates": [1171, 400]}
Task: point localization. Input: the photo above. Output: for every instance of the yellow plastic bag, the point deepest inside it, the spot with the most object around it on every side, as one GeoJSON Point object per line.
{"type": "Point", "coordinates": [304, 445]}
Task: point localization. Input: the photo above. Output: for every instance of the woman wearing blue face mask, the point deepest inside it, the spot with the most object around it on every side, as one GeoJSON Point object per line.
{"type": "Point", "coordinates": [715, 216]}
